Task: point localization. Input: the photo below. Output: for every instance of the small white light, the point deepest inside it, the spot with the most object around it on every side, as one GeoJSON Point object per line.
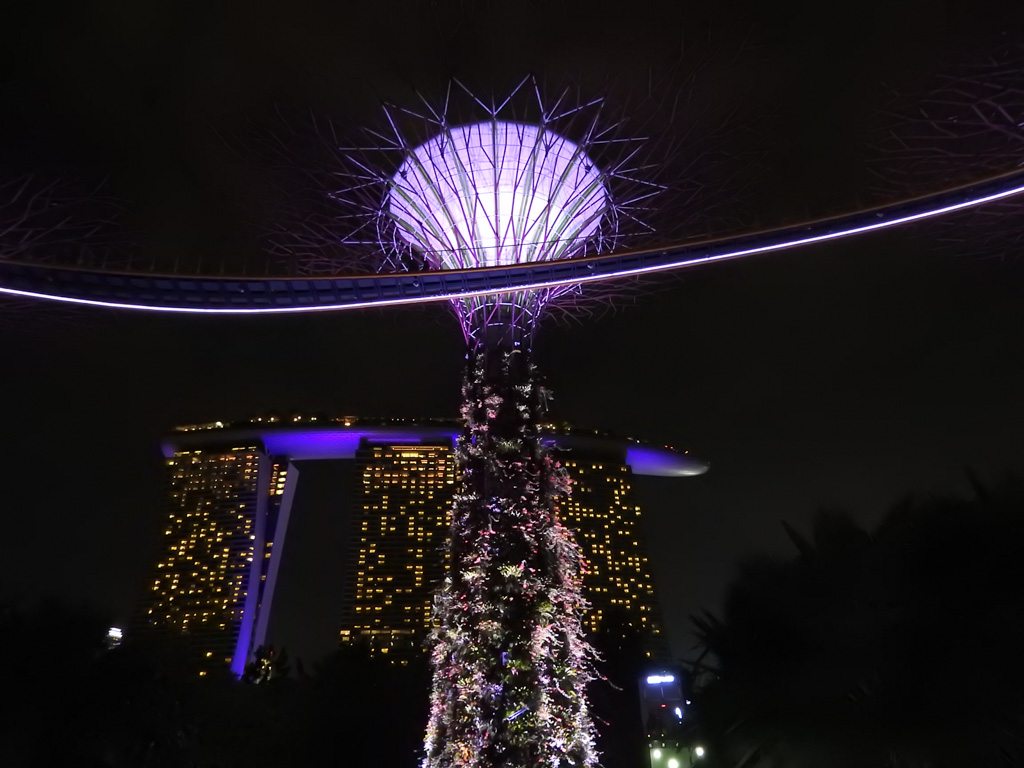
{"type": "Point", "coordinates": [679, 713]}
{"type": "Point", "coordinates": [656, 754]}
{"type": "Point", "coordinates": [699, 751]}
{"type": "Point", "coordinates": [655, 679]}
{"type": "Point", "coordinates": [114, 632]}
{"type": "Point", "coordinates": [673, 763]}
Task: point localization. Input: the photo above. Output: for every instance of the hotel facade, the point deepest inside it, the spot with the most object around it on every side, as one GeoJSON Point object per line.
{"type": "Point", "coordinates": [229, 497]}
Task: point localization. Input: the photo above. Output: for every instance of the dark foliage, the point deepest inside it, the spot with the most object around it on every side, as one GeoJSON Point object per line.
{"type": "Point", "coordinates": [898, 647]}
{"type": "Point", "coordinates": [49, 649]}
{"type": "Point", "coordinates": [144, 704]}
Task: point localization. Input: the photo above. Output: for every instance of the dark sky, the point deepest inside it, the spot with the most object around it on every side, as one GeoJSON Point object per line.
{"type": "Point", "coordinates": [845, 375]}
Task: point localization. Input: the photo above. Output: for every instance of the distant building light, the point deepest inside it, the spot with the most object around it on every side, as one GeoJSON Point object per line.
{"type": "Point", "coordinates": [679, 713]}
{"type": "Point", "coordinates": [113, 637]}
{"type": "Point", "coordinates": [657, 679]}
{"type": "Point", "coordinates": [699, 751]}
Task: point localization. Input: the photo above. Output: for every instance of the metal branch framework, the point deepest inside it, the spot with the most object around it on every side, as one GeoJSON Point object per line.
{"type": "Point", "coordinates": [653, 158]}
{"type": "Point", "coordinates": [498, 193]}
{"type": "Point", "coordinates": [50, 222]}
{"type": "Point", "coordinates": [970, 123]}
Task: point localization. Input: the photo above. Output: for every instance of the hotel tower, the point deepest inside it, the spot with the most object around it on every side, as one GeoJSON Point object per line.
{"type": "Point", "coordinates": [229, 495]}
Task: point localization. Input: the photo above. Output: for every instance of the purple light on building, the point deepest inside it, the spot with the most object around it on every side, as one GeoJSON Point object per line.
{"type": "Point", "coordinates": [663, 462]}
{"type": "Point", "coordinates": [341, 443]}
{"type": "Point", "coordinates": [301, 442]}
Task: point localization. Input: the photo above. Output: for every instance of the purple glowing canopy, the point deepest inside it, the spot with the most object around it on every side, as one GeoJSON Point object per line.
{"type": "Point", "coordinates": [497, 193]}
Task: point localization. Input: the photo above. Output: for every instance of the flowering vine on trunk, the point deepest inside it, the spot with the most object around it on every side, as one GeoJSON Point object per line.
{"type": "Point", "coordinates": [510, 660]}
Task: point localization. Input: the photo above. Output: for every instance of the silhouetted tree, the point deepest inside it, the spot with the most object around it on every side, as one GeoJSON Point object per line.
{"type": "Point", "coordinates": [138, 706]}
{"type": "Point", "coordinates": [49, 649]}
{"type": "Point", "coordinates": [899, 647]}
{"type": "Point", "coordinates": [267, 665]}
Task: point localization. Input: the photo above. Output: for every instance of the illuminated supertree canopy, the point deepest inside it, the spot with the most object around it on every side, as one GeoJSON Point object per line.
{"type": "Point", "coordinates": [496, 194]}
{"type": "Point", "coordinates": [466, 184]}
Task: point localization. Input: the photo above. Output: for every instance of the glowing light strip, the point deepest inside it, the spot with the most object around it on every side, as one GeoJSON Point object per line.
{"type": "Point", "coordinates": [542, 284]}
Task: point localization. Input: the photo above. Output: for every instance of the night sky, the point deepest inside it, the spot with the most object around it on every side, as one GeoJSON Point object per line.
{"type": "Point", "coordinates": [845, 375]}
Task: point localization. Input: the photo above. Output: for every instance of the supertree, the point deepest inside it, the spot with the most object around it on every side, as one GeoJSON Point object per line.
{"type": "Point", "coordinates": [510, 660]}
{"type": "Point", "coordinates": [468, 184]}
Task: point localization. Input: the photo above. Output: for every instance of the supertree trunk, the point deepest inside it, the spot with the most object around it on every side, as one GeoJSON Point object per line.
{"type": "Point", "coordinates": [510, 662]}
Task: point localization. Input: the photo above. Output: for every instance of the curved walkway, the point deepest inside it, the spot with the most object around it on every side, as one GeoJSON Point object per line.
{"type": "Point", "coordinates": [240, 295]}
